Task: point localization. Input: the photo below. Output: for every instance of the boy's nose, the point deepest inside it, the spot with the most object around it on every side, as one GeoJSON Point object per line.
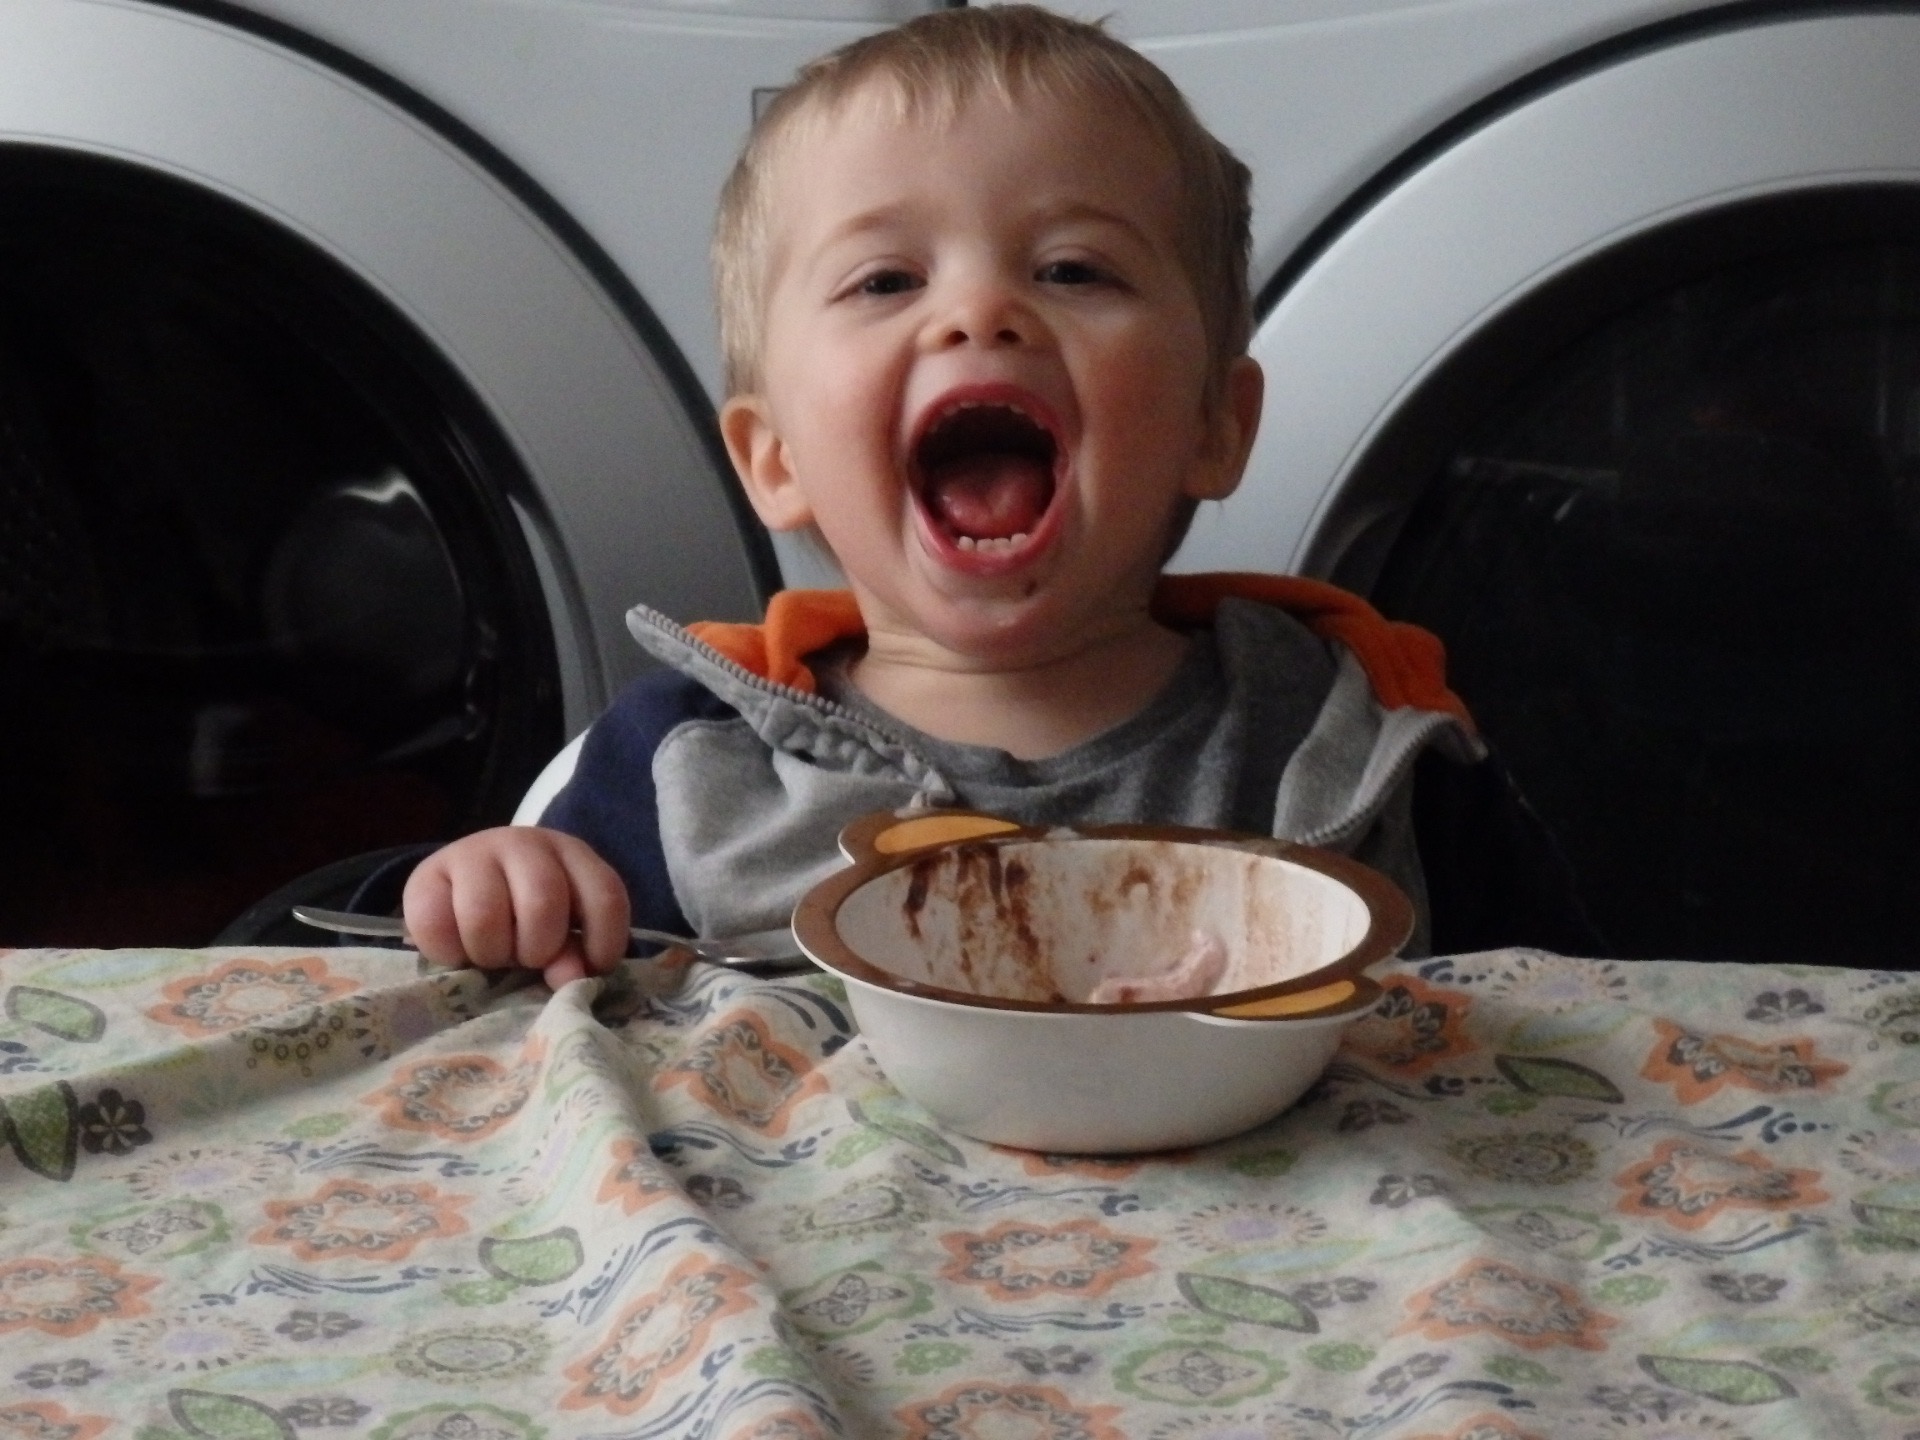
{"type": "Point", "coordinates": [984, 313]}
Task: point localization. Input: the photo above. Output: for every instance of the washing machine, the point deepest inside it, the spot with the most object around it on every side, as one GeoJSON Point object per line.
{"type": "Point", "coordinates": [1592, 341]}
{"type": "Point", "coordinates": [357, 373]}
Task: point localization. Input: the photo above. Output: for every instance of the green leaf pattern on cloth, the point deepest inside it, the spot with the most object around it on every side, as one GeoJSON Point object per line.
{"type": "Point", "coordinates": [248, 1195]}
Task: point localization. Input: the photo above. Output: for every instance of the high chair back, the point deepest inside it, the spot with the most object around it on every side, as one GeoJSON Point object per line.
{"type": "Point", "coordinates": [549, 782]}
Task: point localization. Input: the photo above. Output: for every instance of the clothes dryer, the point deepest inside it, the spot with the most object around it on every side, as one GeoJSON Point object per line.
{"type": "Point", "coordinates": [356, 375]}
{"type": "Point", "coordinates": [1549, 294]}
{"type": "Point", "coordinates": [1592, 339]}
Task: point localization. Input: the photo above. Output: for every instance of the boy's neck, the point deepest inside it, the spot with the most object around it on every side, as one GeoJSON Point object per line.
{"type": "Point", "coordinates": [1031, 711]}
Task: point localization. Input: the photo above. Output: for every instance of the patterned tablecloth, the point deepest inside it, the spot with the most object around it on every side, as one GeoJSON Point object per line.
{"type": "Point", "coordinates": [279, 1193]}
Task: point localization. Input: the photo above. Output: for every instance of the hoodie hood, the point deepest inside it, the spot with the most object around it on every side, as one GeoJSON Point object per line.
{"type": "Point", "coordinates": [1404, 665]}
{"type": "Point", "coordinates": [748, 806]}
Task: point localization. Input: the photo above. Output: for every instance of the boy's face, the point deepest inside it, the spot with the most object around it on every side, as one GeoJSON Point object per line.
{"type": "Point", "coordinates": [984, 373]}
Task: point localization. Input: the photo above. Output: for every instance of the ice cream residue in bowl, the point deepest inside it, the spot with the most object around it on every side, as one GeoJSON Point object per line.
{"type": "Point", "coordinates": [1099, 989]}
{"type": "Point", "coordinates": [1193, 974]}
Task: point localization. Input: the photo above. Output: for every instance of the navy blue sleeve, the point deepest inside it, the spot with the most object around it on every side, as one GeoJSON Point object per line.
{"type": "Point", "coordinates": [610, 801]}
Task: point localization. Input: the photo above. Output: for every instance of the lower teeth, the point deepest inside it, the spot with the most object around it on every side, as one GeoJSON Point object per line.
{"type": "Point", "coordinates": [991, 542]}
{"type": "Point", "coordinates": [1006, 542]}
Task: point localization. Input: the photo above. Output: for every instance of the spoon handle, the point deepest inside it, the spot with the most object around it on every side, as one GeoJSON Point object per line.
{"type": "Point", "coordinates": [346, 922]}
{"type": "Point", "coordinates": [768, 951]}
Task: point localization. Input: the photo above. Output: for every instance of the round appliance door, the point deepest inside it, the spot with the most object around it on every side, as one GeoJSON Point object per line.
{"type": "Point", "coordinates": [1619, 393]}
{"type": "Point", "coordinates": [327, 472]}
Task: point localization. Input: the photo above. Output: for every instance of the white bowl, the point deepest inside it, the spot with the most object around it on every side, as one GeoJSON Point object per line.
{"type": "Point", "coordinates": [970, 946]}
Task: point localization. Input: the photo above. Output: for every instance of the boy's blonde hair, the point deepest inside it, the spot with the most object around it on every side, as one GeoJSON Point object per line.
{"type": "Point", "coordinates": [934, 65]}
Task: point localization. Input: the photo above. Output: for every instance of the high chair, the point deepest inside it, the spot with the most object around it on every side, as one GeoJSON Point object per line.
{"type": "Point", "coordinates": [340, 885]}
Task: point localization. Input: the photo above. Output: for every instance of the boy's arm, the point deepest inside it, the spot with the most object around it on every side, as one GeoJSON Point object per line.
{"type": "Point", "coordinates": [511, 895]}
{"type": "Point", "coordinates": [611, 803]}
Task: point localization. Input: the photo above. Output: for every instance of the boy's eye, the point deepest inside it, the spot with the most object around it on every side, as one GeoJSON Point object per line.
{"type": "Point", "coordinates": [1069, 272]}
{"type": "Point", "coordinates": [888, 282]}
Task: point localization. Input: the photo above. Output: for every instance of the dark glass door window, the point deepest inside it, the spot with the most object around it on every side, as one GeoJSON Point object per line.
{"type": "Point", "coordinates": [263, 602]}
{"type": "Point", "coordinates": [1673, 550]}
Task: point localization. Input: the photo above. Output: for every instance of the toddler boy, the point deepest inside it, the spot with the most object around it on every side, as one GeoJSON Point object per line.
{"type": "Point", "coordinates": [983, 297]}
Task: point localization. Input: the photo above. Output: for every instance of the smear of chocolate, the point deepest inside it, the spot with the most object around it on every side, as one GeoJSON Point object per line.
{"type": "Point", "coordinates": [992, 899]}
{"type": "Point", "coordinates": [978, 885]}
{"type": "Point", "coordinates": [919, 878]}
{"type": "Point", "coordinates": [1017, 915]}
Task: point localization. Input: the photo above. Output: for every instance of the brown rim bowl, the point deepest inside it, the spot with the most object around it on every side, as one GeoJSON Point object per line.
{"type": "Point", "coordinates": [970, 909]}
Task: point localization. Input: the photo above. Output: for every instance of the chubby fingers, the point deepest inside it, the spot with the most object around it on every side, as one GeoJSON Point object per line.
{"type": "Point", "coordinates": [599, 902]}
{"type": "Point", "coordinates": [565, 968]}
{"type": "Point", "coordinates": [510, 896]}
{"type": "Point", "coordinates": [427, 904]}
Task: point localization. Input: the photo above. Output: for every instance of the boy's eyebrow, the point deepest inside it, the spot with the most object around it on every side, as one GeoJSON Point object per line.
{"type": "Point", "coordinates": [781, 256]}
{"type": "Point", "coordinates": [882, 217]}
{"type": "Point", "coordinates": [1081, 210]}
{"type": "Point", "coordinates": [878, 218]}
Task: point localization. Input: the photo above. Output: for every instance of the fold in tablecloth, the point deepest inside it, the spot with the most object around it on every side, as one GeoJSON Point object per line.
{"type": "Point", "coordinates": [280, 1193]}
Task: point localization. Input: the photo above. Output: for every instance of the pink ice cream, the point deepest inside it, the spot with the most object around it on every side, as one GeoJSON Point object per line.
{"type": "Point", "coordinates": [1194, 974]}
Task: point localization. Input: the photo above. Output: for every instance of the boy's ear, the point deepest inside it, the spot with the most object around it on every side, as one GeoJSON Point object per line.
{"type": "Point", "coordinates": [759, 457]}
{"type": "Point", "coordinates": [1232, 425]}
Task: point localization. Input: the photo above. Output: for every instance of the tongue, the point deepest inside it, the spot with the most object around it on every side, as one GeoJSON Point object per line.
{"type": "Point", "coordinates": [990, 496]}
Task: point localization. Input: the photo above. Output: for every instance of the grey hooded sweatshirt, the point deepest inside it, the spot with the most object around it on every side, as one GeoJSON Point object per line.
{"type": "Point", "coordinates": [718, 787]}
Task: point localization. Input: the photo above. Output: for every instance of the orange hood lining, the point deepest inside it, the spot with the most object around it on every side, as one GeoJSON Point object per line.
{"type": "Point", "coordinates": [1405, 665]}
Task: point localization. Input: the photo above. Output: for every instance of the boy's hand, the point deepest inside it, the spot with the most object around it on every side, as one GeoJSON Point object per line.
{"type": "Point", "coordinates": [511, 896]}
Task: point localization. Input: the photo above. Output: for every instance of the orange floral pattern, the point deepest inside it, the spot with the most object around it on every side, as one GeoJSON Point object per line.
{"type": "Point", "coordinates": [44, 1420]}
{"type": "Point", "coordinates": [659, 1336]}
{"type": "Point", "coordinates": [1018, 1261]}
{"type": "Point", "coordinates": [462, 1098]}
{"type": "Point", "coordinates": [1496, 1298]}
{"type": "Point", "coordinates": [1415, 1027]}
{"type": "Point", "coordinates": [68, 1297]}
{"type": "Point", "coordinates": [741, 1071]}
{"type": "Point", "coordinates": [787, 1425]}
{"type": "Point", "coordinates": [1698, 1065]}
{"type": "Point", "coordinates": [247, 991]}
{"type": "Point", "coordinates": [1687, 1183]}
{"type": "Point", "coordinates": [355, 1220]}
{"type": "Point", "coordinates": [1029, 1412]}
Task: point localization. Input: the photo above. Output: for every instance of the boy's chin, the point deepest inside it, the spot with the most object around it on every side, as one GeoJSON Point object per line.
{"type": "Point", "coordinates": [987, 584]}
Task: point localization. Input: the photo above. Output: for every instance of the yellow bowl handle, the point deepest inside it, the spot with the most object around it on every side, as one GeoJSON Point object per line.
{"type": "Point", "coordinates": [925, 830]}
{"type": "Point", "coordinates": [1301, 1002]}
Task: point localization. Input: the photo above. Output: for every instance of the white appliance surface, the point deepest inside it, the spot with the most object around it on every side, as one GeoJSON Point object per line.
{"type": "Point", "coordinates": [620, 119]}
{"type": "Point", "coordinates": [1419, 164]}
{"type": "Point", "coordinates": [531, 185]}
{"type": "Point", "coordinates": [629, 115]}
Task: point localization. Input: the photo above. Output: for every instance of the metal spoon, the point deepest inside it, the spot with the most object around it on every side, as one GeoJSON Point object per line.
{"type": "Point", "coordinates": [765, 952]}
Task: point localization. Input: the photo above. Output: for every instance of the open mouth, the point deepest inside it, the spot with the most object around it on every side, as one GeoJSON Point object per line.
{"type": "Point", "coordinates": [985, 474]}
